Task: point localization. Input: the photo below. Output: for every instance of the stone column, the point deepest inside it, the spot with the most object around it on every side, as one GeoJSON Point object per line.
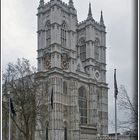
{"type": "Point", "coordinates": [92, 105]}
{"type": "Point", "coordinates": [74, 112]}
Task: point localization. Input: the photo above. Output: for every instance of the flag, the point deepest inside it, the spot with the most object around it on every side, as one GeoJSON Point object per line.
{"type": "Point", "coordinates": [12, 108]}
{"type": "Point", "coordinates": [52, 98]}
{"type": "Point", "coordinates": [115, 85]}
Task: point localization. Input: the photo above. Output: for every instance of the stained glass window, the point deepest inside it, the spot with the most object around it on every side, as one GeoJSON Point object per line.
{"type": "Point", "coordinates": [82, 100]}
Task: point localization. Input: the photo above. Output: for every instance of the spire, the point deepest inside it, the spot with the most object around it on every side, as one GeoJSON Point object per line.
{"type": "Point", "coordinates": [89, 12]}
{"type": "Point", "coordinates": [41, 3]}
{"type": "Point", "coordinates": [71, 3]}
{"type": "Point", "coordinates": [101, 18]}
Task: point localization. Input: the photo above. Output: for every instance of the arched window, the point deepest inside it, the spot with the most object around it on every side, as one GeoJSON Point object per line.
{"type": "Point", "coordinates": [65, 133]}
{"type": "Point", "coordinates": [82, 100]}
{"type": "Point", "coordinates": [64, 87]}
{"type": "Point", "coordinates": [65, 130]}
{"type": "Point", "coordinates": [48, 33]}
{"type": "Point", "coordinates": [82, 49]}
{"type": "Point", "coordinates": [63, 34]}
{"type": "Point", "coordinates": [97, 43]}
{"type": "Point", "coordinates": [46, 133]}
{"type": "Point", "coordinates": [47, 130]}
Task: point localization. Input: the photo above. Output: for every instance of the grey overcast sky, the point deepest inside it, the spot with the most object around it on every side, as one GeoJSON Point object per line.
{"type": "Point", "coordinates": [19, 38]}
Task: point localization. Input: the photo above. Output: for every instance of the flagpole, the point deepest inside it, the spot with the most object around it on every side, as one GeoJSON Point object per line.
{"type": "Point", "coordinates": [115, 118]}
{"type": "Point", "coordinates": [9, 117]}
{"type": "Point", "coordinates": [52, 111]}
{"type": "Point", "coordinates": [52, 115]}
{"type": "Point", "coordinates": [55, 109]}
{"type": "Point", "coordinates": [115, 95]}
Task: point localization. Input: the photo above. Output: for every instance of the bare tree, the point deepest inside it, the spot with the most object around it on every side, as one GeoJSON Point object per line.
{"type": "Point", "coordinates": [20, 80]}
{"type": "Point", "coordinates": [127, 112]}
{"type": "Point", "coordinates": [129, 107]}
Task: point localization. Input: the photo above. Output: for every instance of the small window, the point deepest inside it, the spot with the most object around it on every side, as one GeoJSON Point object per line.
{"type": "Point", "coordinates": [96, 52]}
{"type": "Point", "coordinates": [82, 49]}
{"type": "Point", "coordinates": [63, 34]}
{"type": "Point", "coordinates": [64, 87]}
{"type": "Point", "coordinates": [48, 33]}
{"type": "Point", "coordinates": [82, 100]}
{"type": "Point", "coordinates": [47, 133]}
{"type": "Point", "coordinates": [97, 44]}
{"type": "Point", "coordinates": [65, 133]}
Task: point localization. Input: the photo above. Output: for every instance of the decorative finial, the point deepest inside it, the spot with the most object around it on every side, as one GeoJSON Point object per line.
{"type": "Point", "coordinates": [101, 18]}
{"type": "Point", "coordinates": [41, 3]}
{"type": "Point", "coordinates": [89, 12]}
{"type": "Point", "coordinates": [71, 3]}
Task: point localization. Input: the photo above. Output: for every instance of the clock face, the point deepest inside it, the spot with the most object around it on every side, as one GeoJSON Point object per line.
{"type": "Point", "coordinates": [47, 61]}
{"type": "Point", "coordinates": [64, 61]}
{"type": "Point", "coordinates": [47, 64]}
{"type": "Point", "coordinates": [65, 64]}
{"type": "Point", "coordinates": [97, 75]}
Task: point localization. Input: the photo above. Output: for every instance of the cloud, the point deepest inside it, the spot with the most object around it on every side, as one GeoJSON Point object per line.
{"type": "Point", "coordinates": [18, 30]}
{"type": "Point", "coordinates": [19, 38]}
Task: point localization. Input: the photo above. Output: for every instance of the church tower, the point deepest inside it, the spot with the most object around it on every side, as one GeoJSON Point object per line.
{"type": "Point", "coordinates": [72, 66]}
{"type": "Point", "coordinates": [57, 23]}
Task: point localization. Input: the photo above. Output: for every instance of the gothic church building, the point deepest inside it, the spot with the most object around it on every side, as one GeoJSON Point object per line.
{"type": "Point", "coordinates": [72, 63]}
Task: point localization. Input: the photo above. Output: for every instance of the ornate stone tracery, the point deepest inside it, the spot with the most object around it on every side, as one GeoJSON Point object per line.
{"type": "Point", "coordinates": [47, 61]}
{"type": "Point", "coordinates": [73, 57]}
{"type": "Point", "coordinates": [65, 61]}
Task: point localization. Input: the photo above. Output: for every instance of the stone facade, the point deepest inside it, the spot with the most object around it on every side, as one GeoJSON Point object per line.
{"type": "Point", "coordinates": [72, 65]}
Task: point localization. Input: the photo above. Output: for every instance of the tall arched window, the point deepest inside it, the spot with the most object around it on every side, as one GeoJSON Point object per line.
{"type": "Point", "coordinates": [65, 130]}
{"type": "Point", "coordinates": [48, 33]}
{"type": "Point", "coordinates": [64, 87]}
{"type": "Point", "coordinates": [97, 43]}
{"type": "Point", "coordinates": [47, 130]}
{"type": "Point", "coordinates": [82, 49]}
{"type": "Point", "coordinates": [63, 34]}
{"type": "Point", "coordinates": [47, 133]}
{"type": "Point", "coordinates": [82, 100]}
{"type": "Point", "coordinates": [65, 133]}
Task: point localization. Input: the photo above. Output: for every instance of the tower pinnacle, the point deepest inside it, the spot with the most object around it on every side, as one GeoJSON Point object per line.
{"type": "Point", "coordinates": [89, 12]}
{"type": "Point", "coordinates": [41, 3]}
{"type": "Point", "coordinates": [101, 18]}
{"type": "Point", "coordinates": [71, 3]}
